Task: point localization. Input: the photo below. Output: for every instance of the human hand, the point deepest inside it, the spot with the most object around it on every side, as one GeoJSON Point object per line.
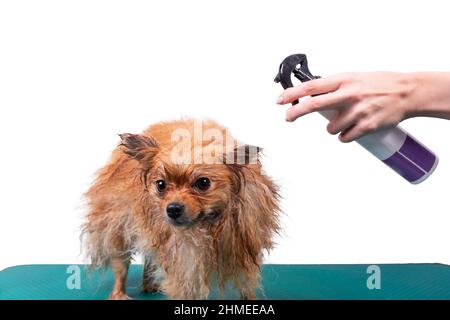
{"type": "Point", "coordinates": [364, 102]}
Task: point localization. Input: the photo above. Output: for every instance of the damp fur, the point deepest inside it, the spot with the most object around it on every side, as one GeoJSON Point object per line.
{"type": "Point", "coordinates": [231, 224]}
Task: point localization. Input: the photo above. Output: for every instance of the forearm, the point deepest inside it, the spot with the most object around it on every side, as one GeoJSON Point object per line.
{"type": "Point", "coordinates": [430, 96]}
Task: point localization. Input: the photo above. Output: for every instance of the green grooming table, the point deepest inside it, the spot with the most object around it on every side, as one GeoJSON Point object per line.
{"type": "Point", "coordinates": [398, 281]}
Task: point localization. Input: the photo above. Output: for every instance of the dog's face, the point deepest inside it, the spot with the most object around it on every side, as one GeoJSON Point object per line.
{"type": "Point", "coordinates": [185, 193]}
{"type": "Point", "coordinates": [188, 194]}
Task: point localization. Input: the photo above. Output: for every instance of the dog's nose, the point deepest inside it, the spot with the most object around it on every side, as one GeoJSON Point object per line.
{"type": "Point", "coordinates": [175, 210]}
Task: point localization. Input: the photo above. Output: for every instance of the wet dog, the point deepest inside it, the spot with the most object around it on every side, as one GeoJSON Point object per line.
{"type": "Point", "coordinates": [201, 211]}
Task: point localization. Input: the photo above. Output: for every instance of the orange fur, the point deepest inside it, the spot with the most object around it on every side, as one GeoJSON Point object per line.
{"type": "Point", "coordinates": [230, 224]}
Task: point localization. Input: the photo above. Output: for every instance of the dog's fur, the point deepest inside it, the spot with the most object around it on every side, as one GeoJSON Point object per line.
{"type": "Point", "coordinates": [223, 232]}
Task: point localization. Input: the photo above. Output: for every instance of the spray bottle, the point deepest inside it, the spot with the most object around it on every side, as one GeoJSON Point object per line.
{"type": "Point", "coordinates": [398, 149]}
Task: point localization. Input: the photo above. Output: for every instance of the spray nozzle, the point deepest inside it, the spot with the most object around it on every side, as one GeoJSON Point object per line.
{"type": "Point", "coordinates": [296, 64]}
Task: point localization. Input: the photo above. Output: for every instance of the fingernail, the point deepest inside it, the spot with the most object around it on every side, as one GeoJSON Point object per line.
{"type": "Point", "coordinates": [342, 138]}
{"type": "Point", "coordinates": [280, 99]}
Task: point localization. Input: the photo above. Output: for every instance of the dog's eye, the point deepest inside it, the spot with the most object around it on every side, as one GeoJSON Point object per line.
{"type": "Point", "coordinates": [160, 185]}
{"type": "Point", "coordinates": [202, 184]}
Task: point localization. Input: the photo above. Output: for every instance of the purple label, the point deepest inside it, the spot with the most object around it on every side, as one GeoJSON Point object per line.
{"type": "Point", "coordinates": [412, 161]}
{"type": "Point", "coordinates": [404, 167]}
{"type": "Point", "coordinates": [418, 154]}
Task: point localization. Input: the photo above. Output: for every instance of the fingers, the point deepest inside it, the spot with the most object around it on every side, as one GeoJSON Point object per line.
{"type": "Point", "coordinates": [350, 134]}
{"type": "Point", "coordinates": [343, 120]}
{"type": "Point", "coordinates": [357, 131]}
{"type": "Point", "coordinates": [317, 103]}
{"type": "Point", "coordinates": [310, 88]}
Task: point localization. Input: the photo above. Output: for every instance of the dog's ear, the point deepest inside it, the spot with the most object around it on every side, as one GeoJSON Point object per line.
{"type": "Point", "coordinates": [255, 205]}
{"type": "Point", "coordinates": [238, 160]}
{"type": "Point", "coordinates": [139, 147]}
{"type": "Point", "coordinates": [243, 155]}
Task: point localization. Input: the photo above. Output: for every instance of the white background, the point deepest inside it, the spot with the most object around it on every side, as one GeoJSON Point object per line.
{"type": "Point", "coordinates": [73, 74]}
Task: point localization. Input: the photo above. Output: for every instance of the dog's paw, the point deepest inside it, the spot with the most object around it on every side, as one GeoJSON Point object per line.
{"type": "Point", "coordinates": [248, 296]}
{"type": "Point", "coordinates": [119, 296]}
{"type": "Point", "coordinates": [150, 287]}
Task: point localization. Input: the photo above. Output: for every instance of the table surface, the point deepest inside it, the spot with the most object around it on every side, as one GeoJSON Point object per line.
{"type": "Point", "coordinates": [398, 281]}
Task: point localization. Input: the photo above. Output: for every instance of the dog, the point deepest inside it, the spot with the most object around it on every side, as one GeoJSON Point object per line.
{"type": "Point", "coordinates": [199, 213]}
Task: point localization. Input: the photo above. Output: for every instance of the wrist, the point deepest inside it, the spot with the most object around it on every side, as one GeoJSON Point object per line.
{"type": "Point", "coordinates": [413, 94]}
{"type": "Point", "coordinates": [430, 95]}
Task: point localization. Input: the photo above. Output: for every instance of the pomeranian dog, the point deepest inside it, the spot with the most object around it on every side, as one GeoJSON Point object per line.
{"type": "Point", "coordinates": [192, 200]}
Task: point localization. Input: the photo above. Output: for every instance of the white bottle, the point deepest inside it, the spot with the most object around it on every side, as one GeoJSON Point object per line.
{"type": "Point", "coordinates": [400, 151]}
